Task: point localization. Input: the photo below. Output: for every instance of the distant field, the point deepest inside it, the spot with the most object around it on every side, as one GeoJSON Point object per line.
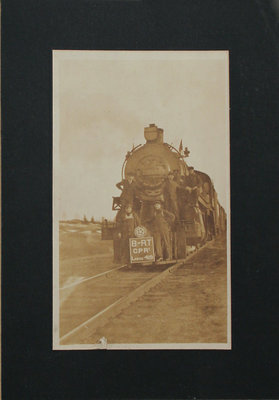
{"type": "Point", "coordinates": [79, 240]}
{"type": "Point", "coordinates": [82, 252]}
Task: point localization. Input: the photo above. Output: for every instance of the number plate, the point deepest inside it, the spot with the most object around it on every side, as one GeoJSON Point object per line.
{"type": "Point", "coordinates": [142, 250]}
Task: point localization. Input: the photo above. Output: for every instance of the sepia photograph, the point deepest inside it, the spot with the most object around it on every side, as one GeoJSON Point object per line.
{"type": "Point", "coordinates": [141, 200]}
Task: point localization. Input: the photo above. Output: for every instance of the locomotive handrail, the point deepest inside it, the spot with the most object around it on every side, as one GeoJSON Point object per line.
{"type": "Point", "coordinates": [173, 148]}
{"type": "Point", "coordinates": [123, 168]}
{"type": "Point", "coordinates": [126, 159]}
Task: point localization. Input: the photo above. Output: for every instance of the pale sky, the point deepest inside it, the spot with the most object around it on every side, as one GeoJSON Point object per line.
{"type": "Point", "coordinates": [103, 101]}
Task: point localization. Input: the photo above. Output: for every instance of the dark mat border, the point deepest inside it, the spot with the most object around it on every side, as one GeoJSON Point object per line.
{"type": "Point", "coordinates": [30, 30]}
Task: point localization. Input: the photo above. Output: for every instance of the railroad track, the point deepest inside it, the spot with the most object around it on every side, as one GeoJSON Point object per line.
{"type": "Point", "coordinates": [90, 278]}
{"type": "Point", "coordinates": [105, 298]}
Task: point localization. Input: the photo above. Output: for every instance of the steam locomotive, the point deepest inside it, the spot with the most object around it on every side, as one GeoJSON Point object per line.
{"type": "Point", "coordinates": [150, 164]}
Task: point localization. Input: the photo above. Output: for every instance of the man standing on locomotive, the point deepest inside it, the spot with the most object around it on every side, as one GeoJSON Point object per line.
{"type": "Point", "coordinates": [160, 224]}
{"type": "Point", "coordinates": [128, 190]}
{"type": "Point", "coordinates": [170, 195]}
{"type": "Point", "coordinates": [193, 184]}
{"type": "Point", "coordinates": [127, 222]}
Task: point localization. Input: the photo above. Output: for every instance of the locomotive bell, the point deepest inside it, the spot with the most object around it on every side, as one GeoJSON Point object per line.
{"type": "Point", "coordinates": [154, 134]}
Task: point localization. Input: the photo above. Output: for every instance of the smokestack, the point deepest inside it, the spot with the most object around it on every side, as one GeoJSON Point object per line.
{"type": "Point", "coordinates": [153, 134]}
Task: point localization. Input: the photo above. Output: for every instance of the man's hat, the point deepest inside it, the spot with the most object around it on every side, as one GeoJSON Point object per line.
{"type": "Point", "coordinates": [190, 168]}
{"type": "Point", "coordinates": [130, 174]}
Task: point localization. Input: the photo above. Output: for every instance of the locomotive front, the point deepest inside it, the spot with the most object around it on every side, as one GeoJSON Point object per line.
{"type": "Point", "coordinates": [151, 163]}
{"type": "Point", "coordinates": [188, 211]}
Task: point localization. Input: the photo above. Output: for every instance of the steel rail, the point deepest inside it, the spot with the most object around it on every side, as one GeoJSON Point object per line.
{"type": "Point", "coordinates": [91, 277]}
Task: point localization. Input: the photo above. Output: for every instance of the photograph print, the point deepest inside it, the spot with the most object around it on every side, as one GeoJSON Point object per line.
{"type": "Point", "coordinates": [141, 200]}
